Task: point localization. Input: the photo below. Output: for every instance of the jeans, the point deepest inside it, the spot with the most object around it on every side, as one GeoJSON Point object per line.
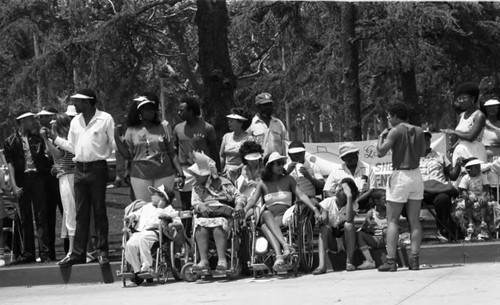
{"type": "Point", "coordinates": [33, 202]}
{"type": "Point", "coordinates": [90, 192]}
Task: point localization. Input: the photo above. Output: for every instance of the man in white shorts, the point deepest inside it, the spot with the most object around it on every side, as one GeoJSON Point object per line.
{"type": "Point", "coordinates": [405, 186]}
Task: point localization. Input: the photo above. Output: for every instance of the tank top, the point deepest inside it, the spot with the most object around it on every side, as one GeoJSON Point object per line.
{"type": "Point", "coordinates": [491, 135]}
{"type": "Point", "coordinates": [408, 147]}
{"type": "Point", "coordinates": [465, 125]}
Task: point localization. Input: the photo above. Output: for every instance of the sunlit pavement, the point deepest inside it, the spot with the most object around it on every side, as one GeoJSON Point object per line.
{"type": "Point", "coordinates": [445, 284]}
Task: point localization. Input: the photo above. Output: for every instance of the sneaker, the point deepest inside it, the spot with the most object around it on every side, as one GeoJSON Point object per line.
{"type": "Point", "coordinates": [441, 237]}
{"type": "Point", "coordinates": [366, 265]}
{"type": "Point", "coordinates": [388, 266]}
{"type": "Point", "coordinates": [2, 262]}
{"type": "Point", "coordinates": [468, 237]}
{"type": "Point", "coordinates": [483, 233]}
{"type": "Point", "coordinates": [413, 262]}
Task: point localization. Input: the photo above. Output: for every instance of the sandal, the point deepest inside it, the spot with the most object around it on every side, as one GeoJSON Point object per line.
{"type": "Point", "coordinates": [288, 250]}
{"type": "Point", "coordinates": [319, 271]}
{"type": "Point", "coordinates": [349, 267]}
{"type": "Point", "coordinates": [221, 267]}
{"type": "Point", "coordinates": [278, 263]}
{"type": "Point", "coordinates": [198, 268]}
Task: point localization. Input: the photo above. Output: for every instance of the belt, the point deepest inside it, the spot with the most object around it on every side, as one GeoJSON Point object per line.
{"type": "Point", "coordinates": [91, 164]}
{"type": "Point", "coordinates": [30, 173]}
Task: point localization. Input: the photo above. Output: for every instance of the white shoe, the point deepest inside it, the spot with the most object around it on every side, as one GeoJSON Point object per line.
{"type": "Point", "coordinates": [441, 238]}
{"type": "Point", "coordinates": [366, 265]}
{"type": "Point", "coordinates": [2, 262]}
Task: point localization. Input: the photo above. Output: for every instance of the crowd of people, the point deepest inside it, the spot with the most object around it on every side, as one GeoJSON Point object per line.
{"type": "Point", "coordinates": [59, 160]}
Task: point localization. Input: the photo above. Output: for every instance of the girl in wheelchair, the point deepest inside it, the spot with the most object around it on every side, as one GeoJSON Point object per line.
{"type": "Point", "coordinates": [337, 215]}
{"type": "Point", "coordinates": [276, 191]}
{"type": "Point", "coordinates": [145, 231]}
{"type": "Point", "coordinates": [212, 198]}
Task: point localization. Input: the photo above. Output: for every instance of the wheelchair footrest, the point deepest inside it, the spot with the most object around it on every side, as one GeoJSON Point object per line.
{"type": "Point", "coordinates": [258, 267]}
{"type": "Point", "coordinates": [147, 275]}
{"type": "Point", "coordinates": [125, 275]}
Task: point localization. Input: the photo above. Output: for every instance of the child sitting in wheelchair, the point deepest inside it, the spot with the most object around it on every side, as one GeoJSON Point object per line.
{"type": "Point", "coordinates": [145, 231]}
{"type": "Point", "coordinates": [472, 208]}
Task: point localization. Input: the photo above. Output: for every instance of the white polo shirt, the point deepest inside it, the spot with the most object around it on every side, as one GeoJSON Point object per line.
{"type": "Point", "coordinates": [342, 172]}
{"type": "Point", "coordinates": [272, 138]}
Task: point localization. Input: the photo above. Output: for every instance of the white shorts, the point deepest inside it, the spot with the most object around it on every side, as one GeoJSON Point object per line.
{"type": "Point", "coordinates": [404, 185]}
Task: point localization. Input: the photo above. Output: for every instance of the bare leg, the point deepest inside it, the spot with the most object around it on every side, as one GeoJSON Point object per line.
{"type": "Point", "coordinates": [220, 237]}
{"type": "Point", "coordinates": [393, 213]}
{"type": "Point", "coordinates": [413, 209]}
{"type": "Point", "coordinates": [202, 236]}
{"type": "Point", "coordinates": [271, 238]}
{"type": "Point", "coordinates": [350, 240]}
{"type": "Point", "coordinates": [322, 246]}
{"type": "Point", "coordinates": [268, 219]}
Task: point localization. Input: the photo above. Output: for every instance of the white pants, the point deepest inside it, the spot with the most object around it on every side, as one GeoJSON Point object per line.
{"type": "Point", "coordinates": [67, 192]}
{"type": "Point", "coordinates": [140, 186]}
{"type": "Point", "coordinates": [138, 250]}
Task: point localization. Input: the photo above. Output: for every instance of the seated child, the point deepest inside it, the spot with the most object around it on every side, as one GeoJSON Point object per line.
{"type": "Point", "coordinates": [372, 233]}
{"type": "Point", "coordinates": [473, 206]}
{"type": "Point", "coordinates": [138, 247]}
{"type": "Point", "coordinates": [337, 215]}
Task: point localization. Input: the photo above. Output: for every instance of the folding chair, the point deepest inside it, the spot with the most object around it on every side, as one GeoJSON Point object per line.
{"type": "Point", "coordinates": [12, 219]}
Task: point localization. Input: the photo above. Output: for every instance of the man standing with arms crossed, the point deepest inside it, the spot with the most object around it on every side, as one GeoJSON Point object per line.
{"type": "Point", "coordinates": [91, 139]}
{"type": "Point", "coordinates": [405, 186]}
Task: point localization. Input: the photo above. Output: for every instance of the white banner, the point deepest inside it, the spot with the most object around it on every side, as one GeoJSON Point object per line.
{"type": "Point", "coordinates": [326, 156]}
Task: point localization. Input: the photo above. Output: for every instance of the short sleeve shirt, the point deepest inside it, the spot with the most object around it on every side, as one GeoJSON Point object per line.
{"type": "Point", "coordinates": [474, 185]}
{"type": "Point", "coordinates": [363, 169]}
{"type": "Point", "coordinates": [271, 138]}
{"type": "Point", "coordinates": [432, 166]}
{"type": "Point", "coordinates": [305, 185]}
{"type": "Point", "coordinates": [336, 216]}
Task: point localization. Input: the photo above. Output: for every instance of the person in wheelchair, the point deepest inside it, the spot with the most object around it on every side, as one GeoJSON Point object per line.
{"type": "Point", "coordinates": [212, 200]}
{"type": "Point", "coordinates": [337, 215]}
{"type": "Point", "coordinates": [306, 173]}
{"type": "Point", "coordinates": [145, 231]}
{"type": "Point", "coordinates": [276, 191]}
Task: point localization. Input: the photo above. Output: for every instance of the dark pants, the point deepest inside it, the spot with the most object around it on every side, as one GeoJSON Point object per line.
{"type": "Point", "coordinates": [442, 205]}
{"type": "Point", "coordinates": [186, 205]}
{"type": "Point", "coordinates": [53, 203]}
{"type": "Point", "coordinates": [33, 202]}
{"type": "Point", "coordinates": [90, 192]}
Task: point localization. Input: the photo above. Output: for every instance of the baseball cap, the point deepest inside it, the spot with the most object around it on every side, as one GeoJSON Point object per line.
{"type": "Point", "coordinates": [263, 98]}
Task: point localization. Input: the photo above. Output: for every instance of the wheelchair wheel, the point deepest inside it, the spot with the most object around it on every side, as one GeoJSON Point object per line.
{"type": "Point", "coordinates": [176, 262]}
{"type": "Point", "coordinates": [187, 273]}
{"type": "Point", "coordinates": [306, 245]}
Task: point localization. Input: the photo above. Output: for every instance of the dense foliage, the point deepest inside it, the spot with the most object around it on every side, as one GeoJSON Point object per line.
{"type": "Point", "coordinates": [413, 51]}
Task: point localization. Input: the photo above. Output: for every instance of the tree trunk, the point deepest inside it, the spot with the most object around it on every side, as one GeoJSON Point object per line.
{"type": "Point", "coordinates": [217, 74]}
{"type": "Point", "coordinates": [350, 80]}
{"type": "Point", "coordinates": [36, 47]}
{"type": "Point", "coordinates": [410, 97]}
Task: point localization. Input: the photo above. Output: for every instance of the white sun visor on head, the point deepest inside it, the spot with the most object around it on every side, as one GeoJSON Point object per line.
{"type": "Point", "coordinates": [144, 103]}
{"type": "Point", "coordinates": [295, 150]}
{"type": "Point", "coordinates": [253, 156]}
{"type": "Point", "coordinates": [235, 116]}
{"type": "Point", "coordinates": [25, 115]}
{"type": "Point", "coordinates": [44, 112]}
{"type": "Point", "coordinates": [81, 96]}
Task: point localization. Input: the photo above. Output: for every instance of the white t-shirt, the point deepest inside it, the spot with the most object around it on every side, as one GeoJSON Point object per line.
{"type": "Point", "coordinates": [336, 216]}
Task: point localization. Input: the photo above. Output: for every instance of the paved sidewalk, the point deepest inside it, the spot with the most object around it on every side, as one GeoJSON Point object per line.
{"type": "Point", "coordinates": [469, 284]}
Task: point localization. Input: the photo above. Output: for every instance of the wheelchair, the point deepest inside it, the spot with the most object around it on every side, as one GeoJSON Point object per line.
{"type": "Point", "coordinates": [167, 254]}
{"type": "Point", "coordinates": [232, 255]}
{"type": "Point", "coordinates": [299, 233]}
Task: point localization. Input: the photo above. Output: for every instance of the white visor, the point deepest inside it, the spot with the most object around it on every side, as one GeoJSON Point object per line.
{"type": "Point", "coordinates": [44, 112]}
{"type": "Point", "coordinates": [25, 115]}
{"type": "Point", "coordinates": [253, 156]}
{"type": "Point", "coordinates": [491, 102]}
{"type": "Point", "coordinates": [235, 116]}
{"type": "Point", "coordinates": [144, 102]}
{"type": "Point", "coordinates": [82, 96]}
{"type": "Point", "coordinates": [296, 150]}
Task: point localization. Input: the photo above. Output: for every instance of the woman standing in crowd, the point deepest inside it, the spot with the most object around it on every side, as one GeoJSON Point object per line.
{"type": "Point", "coordinates": [469, 130]}
{"type": "Point", "coordinates": [230, 158]}
{"type": "Point", "coordinates": [148, 146]}
{"type": "Point", "coordinates": [64, 166]}
{"type": "Point", "coordinates": [491, 136]}
{"type": "Point", "coordinates": [277, 190]}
